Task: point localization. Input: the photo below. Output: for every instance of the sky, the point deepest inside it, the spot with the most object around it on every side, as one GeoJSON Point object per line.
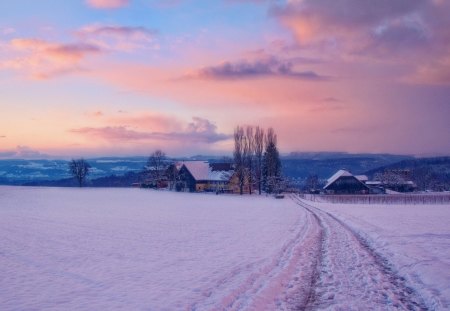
{"type": "Point", "coordinates": [126, 77]}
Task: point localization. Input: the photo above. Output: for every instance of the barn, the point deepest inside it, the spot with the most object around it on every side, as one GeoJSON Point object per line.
{"type": "Point", "coordinates": [343, 182]}
{"type": "Point", "coordinates": [198, 176]}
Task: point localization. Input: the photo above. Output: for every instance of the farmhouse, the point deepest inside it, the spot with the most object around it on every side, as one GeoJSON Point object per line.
{"type": "Point", "coordinates": [197, 176]}
{"type": "Point", "coordinates": [343, 182]}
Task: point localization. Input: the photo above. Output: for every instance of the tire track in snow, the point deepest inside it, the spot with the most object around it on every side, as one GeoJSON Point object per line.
{"type": "Point", "coordinates": [351, 274]}
{"type": "Point", "coordinates": [283, 283]}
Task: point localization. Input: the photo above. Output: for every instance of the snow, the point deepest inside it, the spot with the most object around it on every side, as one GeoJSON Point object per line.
{"type": "Point", "coordinates": [134, 249]}
{"type": "Point", "coordinates": [140, 249]}
{"type": "Point", "coordinates": [201, 170]}
{"type": "Point", "coordinates": [415, 239]}
{"type": "Point", "coordinates": [198, 169]}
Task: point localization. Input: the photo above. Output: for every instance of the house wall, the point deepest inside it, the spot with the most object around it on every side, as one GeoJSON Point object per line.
{"type": "Point", "coordinates": [220, 186]}
{"type": "Point", "coordinates": [186, 181]}
{"type": "Point", "coordinates": [200, 186]}
{"type": "Point", "coordinates": [347, 185]}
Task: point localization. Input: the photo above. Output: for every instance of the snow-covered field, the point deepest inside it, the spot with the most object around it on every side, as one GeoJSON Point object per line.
{"type": "Point", "coordinates": [133, 249]}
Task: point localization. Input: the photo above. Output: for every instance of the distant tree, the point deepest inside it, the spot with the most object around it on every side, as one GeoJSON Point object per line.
{"type": "Point", "coordinates": [79, 169]}
{"type": "Point", "coordinates": [312, 182]}
{"type": "Point", "coordinates": [156, 166]}
{"type": "Point", "coordinates": [259, 149]}
{"type": "Point", "coordinates": [239, 157]}
{"type": "Point", "coordinates": [271, 163]}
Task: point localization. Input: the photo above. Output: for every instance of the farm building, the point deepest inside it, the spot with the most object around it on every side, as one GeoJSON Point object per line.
{"type": "Point", "coordinates": [343, 182]}
{"type": "Point", "coordinates": [198, 176]}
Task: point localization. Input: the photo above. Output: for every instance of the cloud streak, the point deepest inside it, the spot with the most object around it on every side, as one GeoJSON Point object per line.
{"type": "Point", "coordinates": [120, 38]}
{"type": "Point", "coordinates": [107, 4]}
{"type": "Point", "coordinates": [198, 131]}
{"type": "Point", "coordinates": [245, 69]}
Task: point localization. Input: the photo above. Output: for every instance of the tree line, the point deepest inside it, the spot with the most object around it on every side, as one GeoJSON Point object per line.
{"type": "Point", "coordinates": [257, 160]}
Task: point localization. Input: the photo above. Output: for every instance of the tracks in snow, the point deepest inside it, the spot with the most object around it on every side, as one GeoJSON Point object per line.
{"type": "Point", "coordinates": [325, 266]}
{"type": "Point", "coordinates": [281, 282]}
{"type": "Point", "coordinates": [352, 275]}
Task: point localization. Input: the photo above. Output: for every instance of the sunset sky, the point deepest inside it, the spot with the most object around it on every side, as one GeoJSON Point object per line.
{"type": "Point", "coordinates": [124, 77]}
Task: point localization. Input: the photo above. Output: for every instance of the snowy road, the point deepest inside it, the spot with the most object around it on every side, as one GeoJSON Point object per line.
{"type": "Point", "coordinates": [349, 273]}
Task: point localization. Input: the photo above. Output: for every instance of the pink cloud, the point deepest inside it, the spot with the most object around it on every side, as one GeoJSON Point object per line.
{"type": "Point", "coordinates": [198, 131]}
{"type": "Point", "coordinates": [412, 33]}
{"type": "Point", "coordinates": [107, 4]}
{"type": "Point", "coordinates": [41, 59]}
{"type": "Point", "coordinates": [435, 72]}
{"type": "Point", "coordinates": [122, 38]}
{"type": "Point", "coordinates": [310, 19]}
{"type": "Point", "coordinates": [273, 93]}
{"type": "Point", "coordinates": [148, 121]}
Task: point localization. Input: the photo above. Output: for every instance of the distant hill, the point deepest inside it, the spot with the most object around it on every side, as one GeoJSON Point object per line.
{"type": "Point", "coordinates": [427, 173]}
{"type": "Point", "coordinates": [18, 172]}
{"type": "Point", "coordinates": [108, 181]}
{"type": "Point", "coordinates": [324, 165]}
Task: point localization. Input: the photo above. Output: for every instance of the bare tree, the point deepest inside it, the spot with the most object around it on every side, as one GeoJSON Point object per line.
{"type": "Point", "coordinates": [156, 166]}
{"type": "Point", "coordinates": [239, 157]}
{"type": "Point", "coordinates": [79, 169]}
{"type": "Point", "coordinates": [249, 152]}
{"type": "Point", "coordinates": [259, 149]}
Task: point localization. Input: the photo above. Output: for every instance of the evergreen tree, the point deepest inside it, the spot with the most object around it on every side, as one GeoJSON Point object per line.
{"type": "Point", "coordinates": [271, 164]}
{"type": "Point", "coordinates": [239, 155]}
{"type": "Point", "coordinates": [259, 152]}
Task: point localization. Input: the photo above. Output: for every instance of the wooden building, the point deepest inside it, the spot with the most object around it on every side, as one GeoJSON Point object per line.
{"type": "Point", "coordinates": [199, 176]}
{"type": "Point", "coordinates": [343, 182]}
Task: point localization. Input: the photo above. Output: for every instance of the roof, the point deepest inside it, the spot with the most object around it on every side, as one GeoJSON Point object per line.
{"type": "Point", "coordinates": [338, 174]}
{"type": "Point", "coordinates": [362, 178]}
{"type": "Point", "coordinates": [201, 170]}
{"type": "Point", "coordinates": [373, 183]}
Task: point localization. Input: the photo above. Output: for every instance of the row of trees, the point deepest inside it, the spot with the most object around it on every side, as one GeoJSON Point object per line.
{"type": "Point", "coordinates": [256, 159]}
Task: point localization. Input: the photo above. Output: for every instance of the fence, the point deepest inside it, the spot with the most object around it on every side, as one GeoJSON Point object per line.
{"type": "Point", "coordinates": [381, 199]}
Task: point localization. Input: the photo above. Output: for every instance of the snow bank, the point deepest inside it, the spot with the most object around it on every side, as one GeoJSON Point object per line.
{"type": "Point", "coordinates": [133, 249]}
{"type": "Point", "coordinates": [415, 238]}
